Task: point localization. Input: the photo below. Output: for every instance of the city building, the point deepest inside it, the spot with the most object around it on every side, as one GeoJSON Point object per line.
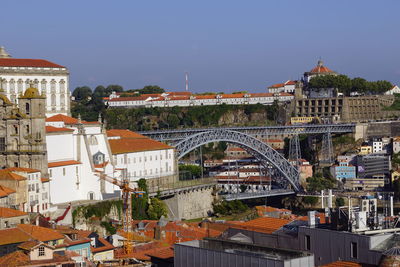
{"type": "Point", "coordinates": [364, 184]}
{"type": "Point", "coordinates": [365, 149]}
{"type": "Point", "coordinates": [10, 218]}
{"type": "Point", "coordinates": [18, 75]}
{"type": "Point", "coordinates": [22, 132]}
{"type": "Point", "coordinates": [143, 157]}
{"type": "Point", "coordinates": [173, 99]}
{"type": "Point", "coordinates": [286, 87]}
{"type": "Point", "coordinates": [78, 151]}
{"type": "Point", "coordinates": [396, 145]}
{"type": "Point", "coordinates": [236, 152]}
{"type": "Point", "coordinates": [374, 166]}
{"type": "Point", "coordinates": [343, 171]}
{"type": "Point", "coordinates": [19, 185]}
{"type": "Point", "coordinates": [7, 197]}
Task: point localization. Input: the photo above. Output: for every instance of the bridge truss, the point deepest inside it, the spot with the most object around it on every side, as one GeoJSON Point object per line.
{"type": "Point", "coordinates": [261, 151]}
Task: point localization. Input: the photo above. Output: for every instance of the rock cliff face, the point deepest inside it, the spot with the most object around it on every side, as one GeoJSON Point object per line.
{"type": "Point", "coordinates": [239, 117]}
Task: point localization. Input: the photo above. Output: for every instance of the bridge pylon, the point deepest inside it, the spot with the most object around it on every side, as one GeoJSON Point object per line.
{"type": "Point", "coordinates": [327, 149]}
{"type": "Point", "coordinates": [294, 149]}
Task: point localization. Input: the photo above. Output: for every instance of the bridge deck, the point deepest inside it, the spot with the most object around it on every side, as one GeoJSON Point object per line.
{"type": "Point", "coordinates": [271, 193]}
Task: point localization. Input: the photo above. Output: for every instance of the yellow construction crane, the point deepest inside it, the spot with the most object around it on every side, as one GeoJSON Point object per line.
{"type": "Point", "coordinates": [127, 193]}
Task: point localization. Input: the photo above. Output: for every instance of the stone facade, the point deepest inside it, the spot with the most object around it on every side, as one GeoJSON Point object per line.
{"type": "Point", "coordinates": [343, 109]}
{"type": "Point", "coordinates": [22, 132]}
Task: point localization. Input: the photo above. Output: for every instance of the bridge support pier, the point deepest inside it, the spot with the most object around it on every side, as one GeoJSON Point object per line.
{"type": "Point", "coordinates": [294, 148]}
{"type": "Point", "coordinates": [327, 149]}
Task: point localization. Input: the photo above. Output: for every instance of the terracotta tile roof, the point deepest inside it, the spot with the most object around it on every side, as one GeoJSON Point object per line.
{"type": "Point", "coordinates": [44, 180]}
{"type": "Point", "coordinates": [342, 264]}
{"type": "Point", "coordinates": [20, 258]}
{"type": "Point", "coordinates": [52, 129]}
{"type": "Point", "coordinates": [101, 165]}
{"type": "Point", "coordinates": [6, 174]}
{"type": "Point", "coordinates": [266, 224]}
{"type": "Point", "coordinates": [40, 233]}
{"type": "Point", "coordinates": [5, 191]}
{"type": "Point", "coordinates": [13, 236]}
{"type": "Point", "coordinates": [124, 134]}
{"type": "Point", "coordinates": [20, 169]}
{"type": "Point", "coordinates": [63, 163]}
{"type": "Point", "coordinates": [28, 245]}
{"type": "Point", "coordinates": [278, 85]}
{"type": "Point", "coordinates": [107, 246]}
{"type": "Point", "coordinates": [67, 119]}
{"type": "Point", "coordinates": [321, 69]}
{"type": "Point", "coordinates": [129, 145]}
{"type": "Point", "coordinates": [21, 62]}
{"type": "Point", "coordinates": [8, 213]}
{"type": "Point", "coordinates": [162, 253]}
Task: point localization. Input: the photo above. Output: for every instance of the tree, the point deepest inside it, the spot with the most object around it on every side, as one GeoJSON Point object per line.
{"type": "Point", "coordinates": [100, 91]}
{"type": "Point", "coordinates": [156, 209]}
{"type": "Point", "coordinates": [114, 88]}
{"type": "Point", "coordinates": [339, 202]}
{"type": "Point", "coordinates": [173, 121]}
{"type": "Point", "coordinates": [82, 93]}
{"type": "Point", "coordinates": [190, 171]}
{"type": "Point", "coordinates": [318, 183]}
{"type": "Point", "coordinates": [151, 89]}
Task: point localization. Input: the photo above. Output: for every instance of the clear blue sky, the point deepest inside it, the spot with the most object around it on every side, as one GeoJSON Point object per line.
{"type": "Point", "coordinates": [224, 45]}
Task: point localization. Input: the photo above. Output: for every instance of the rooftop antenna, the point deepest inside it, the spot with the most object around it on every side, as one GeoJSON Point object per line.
{"type": "Point", "coordinates": [186, 81]}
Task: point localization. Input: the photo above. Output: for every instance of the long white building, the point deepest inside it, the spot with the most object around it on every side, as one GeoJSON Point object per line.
{"type": "Point", "coordinates": [143, 157]}
{"type": "Point", "coordinates": [186, 99]}
{"type": "Point", "coordinates": [52, 80]}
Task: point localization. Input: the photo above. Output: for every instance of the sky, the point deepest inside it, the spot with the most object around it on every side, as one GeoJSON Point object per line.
{"type": "Point", "coordinates": [223, 45]}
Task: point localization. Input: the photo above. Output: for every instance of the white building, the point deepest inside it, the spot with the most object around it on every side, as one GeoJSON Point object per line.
{"type": "Point", "coordinates": [396, 145]}
{"type": "Point", "coordinates": [377, 145]}
{"type": "Point", "coordinates": [394, 90]}
{"type": "Point", "coordinates": [51, 79]}
{"type": "Point", "coordinates": [77, 151]}
{"type": "Point", "coordinates": [286, 87]}
{"type": "Point", "coordinates": [186, 100]}
{"type": "Point", "coordinates": [143, 157]}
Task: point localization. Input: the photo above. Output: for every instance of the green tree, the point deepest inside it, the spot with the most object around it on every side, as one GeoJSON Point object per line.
{"type": "Point", "coordinates": [339, 202]}
{"type": "Point", "coordinates": [173, 121]}
{"type": "Point", "coordinates": [189, 171]}
{"type": "Point", "coordinates": [156, 209]}
{"type": "Point", "coordinates": [318, 183]}
{"type": "Point", "coordinates": [100, 91]}
{"type": "Point", "coordinates": [114, 88]}
{"type": "Point", "coordinates": [82, 93]}
{"type": "Point", "coordinates": [151, 89]}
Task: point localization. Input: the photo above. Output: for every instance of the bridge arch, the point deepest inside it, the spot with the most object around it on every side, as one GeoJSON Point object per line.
{"type": "Point", "coordinates": [263, 152]}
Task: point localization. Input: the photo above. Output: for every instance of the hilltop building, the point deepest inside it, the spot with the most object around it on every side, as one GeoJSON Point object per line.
{"type": "Point", "coordinates": [186, 99]}
{"type": "Point", "coordinates": [319, 70]}
{"type": "Point", "coordinates": [18, 75]}
{"type": "Point", "coordinates": [286, 87]}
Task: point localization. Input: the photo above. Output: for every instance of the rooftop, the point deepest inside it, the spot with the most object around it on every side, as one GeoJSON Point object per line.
{"type": "Point", "coordinates": [63, 163]}
{"type": "Point", "coordinates": [21, 62]}
{"type": "Point", "coordinates": [129, 145]}
{"type": "Point", "coordinates": [40, 233]}
{"type": "Point", "coordinates": [8, 213]}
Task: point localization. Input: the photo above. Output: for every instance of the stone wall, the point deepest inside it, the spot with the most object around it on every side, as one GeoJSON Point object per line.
{"type": "Point", "coordinates": [191, 204]}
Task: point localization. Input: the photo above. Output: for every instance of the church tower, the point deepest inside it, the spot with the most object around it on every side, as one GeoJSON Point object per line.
{"type": "Point", "coordinates": [33, 129]}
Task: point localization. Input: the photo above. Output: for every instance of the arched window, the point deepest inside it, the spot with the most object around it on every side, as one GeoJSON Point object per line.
{"type": "Point", "coordinates": [14, 144]}
{"type": "Point", "coordinates": [62, 86]}
{"type": "Point", "coordinates": [36, 83]}
{"type": "Point", "coordinates": [20, 86]}
{"type": "Point", "coordinates": [12, 86]}
{"type": "Point", "coordinates": [93, 140]}
{"type": "Point", "coordinates": [91, 195]}
{"type": "Point", "coordinates": [27, 108]}
{"type": "Point", "coordinates": [27, 129]}
{"type": "Point", "coordinates": [53, 86]}
{"type": "Point", "coordinates": [43, 86]}
{"type": "Point", "coordinates": [15, 129]}
{"type": "Point", "coordinates": [53, 99]}
{"type": "Point", "coordinates": [62, 100]}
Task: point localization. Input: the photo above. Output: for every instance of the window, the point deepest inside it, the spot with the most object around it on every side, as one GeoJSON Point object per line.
{"type": "Point", "coordinates": [354, 252]}
{"type": "Point", "coordinates": [63, 171]}
{"type": "Point", "coordinates": [2, 144]}
{"type": "Point", "coordinates": [50, 173]}
{"type": "Point", "coordinates": [15, 129]}
{"type": "Point", "coordinates": [307, 242]}
{"type": "Point", "coordinates": [27, 108]}
{"type": "Point", "coordinates": [41, 251]}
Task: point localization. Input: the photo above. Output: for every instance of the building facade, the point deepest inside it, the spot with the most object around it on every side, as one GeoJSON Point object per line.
{"type": "Point", "coordinates": [343, 171]}
{"type": "Point", "coordinates": [51, 79]}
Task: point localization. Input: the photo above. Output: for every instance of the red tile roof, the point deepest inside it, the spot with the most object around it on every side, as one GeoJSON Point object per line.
{"type": "Point", "coordinates": [129, 145]}
{"type": "Point", "coordinates": [21, 169]}
{"type": "Point", "coordinates": [162, 253]}
{"type": "Point", "coordinates": [5, 191]}
{"type": "Point", "coordinates": [266, 224]}
{"type": "Point", "coordinates": [52, 129]}
{"type": "Point", "coordinates": [63, 163]}
{"type": "Point", "coordinates": [20, 62]}
{"type": "Point", "coordinates": [6, 174]}
{"type": "Point", "coordinates": [67, 119]}
{"type": "Point", "coordinates": [321, 69]}
{"type": "Point", "coordinates": [40, 233]}
{"type": "Point", "coordinates": [13, 236]}
{"type": "Point", "coordinates": [20, 258]}
{"type": "Point", "coordinates": [124, 134]}
{"type": "Point", "coordinates": [8, 213]}
{"type": "Point", "coordinates": [107, 246]}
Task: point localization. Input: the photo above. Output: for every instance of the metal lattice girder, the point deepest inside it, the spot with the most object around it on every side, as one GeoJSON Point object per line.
{"type": "Point", "coordinates": [263, 152]}
{"type": "Point", "coordinates": [294, 148]}
{"type": "Point", "coordinates": [165, 135]}
{"type": "Point", "coordinates": [327, 148]}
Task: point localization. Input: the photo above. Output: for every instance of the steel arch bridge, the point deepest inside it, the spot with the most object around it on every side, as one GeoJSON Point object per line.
{"type": "Point", "coordinates": [263, 152]}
